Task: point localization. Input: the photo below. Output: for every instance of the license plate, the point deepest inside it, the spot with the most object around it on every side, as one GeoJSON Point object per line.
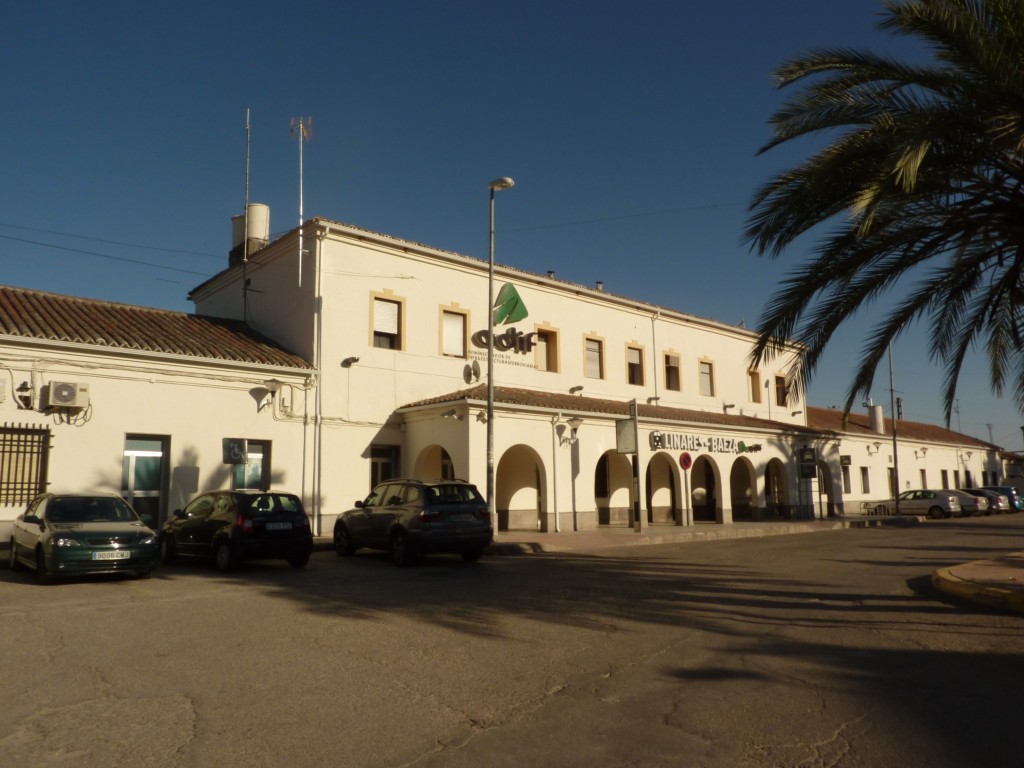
{"type": "Point", "coordinates": [117, 554]}
{"type": "Point", "coordinates": [463, 518]}
{"type": "Point", "coordinates": [279, 526]}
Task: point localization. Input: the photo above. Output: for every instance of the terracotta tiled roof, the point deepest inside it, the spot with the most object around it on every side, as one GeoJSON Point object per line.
{"type": "Point", "coordinates": [53, 317]}
{"type": "Point", "coordinates": [859, 424]}
{"type": "Point", "coordinates": [574, 403]}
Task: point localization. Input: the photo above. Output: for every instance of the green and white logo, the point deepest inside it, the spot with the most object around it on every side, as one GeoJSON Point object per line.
{"type": "Point", "coordinates": [509, 307]}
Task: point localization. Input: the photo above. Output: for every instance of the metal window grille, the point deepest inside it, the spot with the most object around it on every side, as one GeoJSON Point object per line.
{"type": "Point", "coordinates": [24, 462]}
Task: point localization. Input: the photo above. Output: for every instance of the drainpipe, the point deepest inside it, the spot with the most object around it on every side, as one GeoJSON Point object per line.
{"type": "Point", "coordinates": [654, 353]}
{"type": "Point", "coordinates": [554, 469]}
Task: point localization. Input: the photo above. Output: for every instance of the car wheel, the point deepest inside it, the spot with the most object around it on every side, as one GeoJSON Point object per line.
{"type": "Point", "coordinates": [299, 561]}
{"type": "Point", "coordinates": [472, 555]}
{"type": "Point", "coordinates": [13, 561]}
{"type": "Point", "coordinates": [224, 557]}
{"type": "Point", "coordinates": [343, 542]}
{"type": "Point", "coordinates": [935, 513]}
{"type": "Point", "coordinates": [401, 553]}
{"type": "Point", "coordinates": [43, 575]}
{"type": "Point", "coordinates": [168, 552]}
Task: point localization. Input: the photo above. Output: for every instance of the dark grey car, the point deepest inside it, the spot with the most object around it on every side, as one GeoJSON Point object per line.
{"type": "Point", "coordinates": [412, 517]}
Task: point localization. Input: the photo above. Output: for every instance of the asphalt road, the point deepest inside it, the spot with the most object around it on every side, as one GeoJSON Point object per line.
{"type": "Point", "coordinates": [821, 649]}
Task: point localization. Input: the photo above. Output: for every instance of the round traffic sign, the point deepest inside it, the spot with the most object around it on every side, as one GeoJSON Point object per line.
{"type": "Point", "coordinates": [685, 460]}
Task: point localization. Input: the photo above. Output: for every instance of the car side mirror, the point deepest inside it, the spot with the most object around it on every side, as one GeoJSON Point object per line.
{"type": "Point", "coordinates": [34, 520]}
{"type": "Point", "coordinates": [359, 504]}
{"type": "Point", "coordinates": [179, 513]}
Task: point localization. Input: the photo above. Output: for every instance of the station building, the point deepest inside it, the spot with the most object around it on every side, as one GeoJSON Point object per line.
{"type": "Point", "coordinates": [334, 357]}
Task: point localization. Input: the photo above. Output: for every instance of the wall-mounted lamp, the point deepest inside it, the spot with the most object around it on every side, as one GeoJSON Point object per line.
{"type": "Point", "coordinates": [273, 386]}
{"type": "Point", "coordinates": [727, 406]}
{"type": "Point", "coordinates": [574, 424]}
{"type": "Point", "coordinates": [653, 400]}
{"type": "Point", "coordinates": [451, 413]}
{"type": "Point", "coordinates": [795, 413]}
{"type": "Point", "coordinates": [875, 446]}
{"type": "Point", "coordinates": [920, 452]}
{"type": "Point", "coordinates": [24, 395]}
{"type": "Point", "coordinates": [574, 390]}
{"type": "Point", "coordinates": [349, 361]}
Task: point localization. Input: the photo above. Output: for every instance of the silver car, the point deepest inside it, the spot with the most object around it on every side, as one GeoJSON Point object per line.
{"type": "Point", "coordinates": [972, 505]}
{"type": "Point", "coordinates": [998, 504]}
{"type": "Point", "coordinates": [935, 504]}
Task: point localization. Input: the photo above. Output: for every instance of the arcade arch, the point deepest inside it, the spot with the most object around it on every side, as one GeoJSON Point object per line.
{"type": "Point", "coordinates": [434, 463]}
{"type": "Point", "coordinates": [705, 499]}
{"type": "Point", "coordinates": [743, 489]}
{"type": "Point", "coordinates": [518, 489]}
{"type": "Point", "coordinates": [613, 480]}
{"type": "Point", "coordinates": [776, 490]}
{"type": "Point", "coordinates": [661, 484]}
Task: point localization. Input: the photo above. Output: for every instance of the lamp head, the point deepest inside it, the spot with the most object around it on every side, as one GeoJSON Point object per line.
{"type": "Point", "coordinates": [503, 183]}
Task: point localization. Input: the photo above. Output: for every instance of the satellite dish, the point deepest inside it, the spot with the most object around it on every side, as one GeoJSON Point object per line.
{"type": "Point", "coordinates": [476, 370]}
{"type": "Point", "coordinates": [467, 373]}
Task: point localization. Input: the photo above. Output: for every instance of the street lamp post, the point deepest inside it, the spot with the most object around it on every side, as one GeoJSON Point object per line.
{"type": "Point", "coordinates": [503, 183]}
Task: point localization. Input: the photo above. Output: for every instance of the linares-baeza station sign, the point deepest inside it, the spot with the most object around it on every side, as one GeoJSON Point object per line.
{"type": "Point", "coordinates": [679, 441]}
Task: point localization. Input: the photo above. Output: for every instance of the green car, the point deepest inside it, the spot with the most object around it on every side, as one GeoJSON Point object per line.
{"type": "Point", "coordinates": [78, 534]}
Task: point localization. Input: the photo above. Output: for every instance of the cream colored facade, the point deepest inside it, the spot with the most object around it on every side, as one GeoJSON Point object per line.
{"type": "Point", "coordinates": [566, 374]}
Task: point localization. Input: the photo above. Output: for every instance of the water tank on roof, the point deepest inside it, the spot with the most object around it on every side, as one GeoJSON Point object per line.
{"type": "Point", "coordinates": [877, 418]}
{"type": "Point", "coordinates": [259, 225]}
{"type": "Point", "coordinates": [258, 234]}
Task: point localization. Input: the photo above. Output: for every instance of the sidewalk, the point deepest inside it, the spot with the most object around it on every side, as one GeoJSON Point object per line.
{"type": "Point", "coordinates": [998, 583]}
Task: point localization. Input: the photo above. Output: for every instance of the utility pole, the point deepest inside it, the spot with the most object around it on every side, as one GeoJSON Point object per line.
{"type": "Point", "coordinates": [895, 452]}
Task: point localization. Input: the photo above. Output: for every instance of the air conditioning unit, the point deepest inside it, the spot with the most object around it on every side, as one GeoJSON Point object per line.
{"type": "Point", "coordinates": [67, 394]}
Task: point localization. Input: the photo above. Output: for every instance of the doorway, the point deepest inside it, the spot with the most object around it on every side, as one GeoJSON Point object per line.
{"type": "Point", "coordinates": [144, 477]}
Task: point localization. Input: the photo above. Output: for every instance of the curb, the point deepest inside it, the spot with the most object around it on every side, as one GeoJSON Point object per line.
{"type": "Point", "coordinates": [585, 541]}
{"type": "Point", "coordinates": [946, 581]}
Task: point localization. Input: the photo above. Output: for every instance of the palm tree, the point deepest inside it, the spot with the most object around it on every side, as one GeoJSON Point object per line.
{"type": "Point", "coordinates": [920, 183]}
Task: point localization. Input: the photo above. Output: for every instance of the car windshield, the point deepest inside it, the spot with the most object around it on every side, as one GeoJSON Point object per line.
{"type": "Point", "coordinates": [89, 509]}
{"type": "Point", "coordinates": [453, 494]}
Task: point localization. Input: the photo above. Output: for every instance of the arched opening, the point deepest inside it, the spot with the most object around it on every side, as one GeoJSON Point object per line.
{"type": "Point", "coordinates": [660, 485]}
{"type": "Point", "coordinates": [518, 494]}
{"type": "Point", "coordinates": [826, 503]}
{"type": "Point", "coordinates": [776, 491]}
{"type": "Point", "coordinates": [704, 497]}
{"type": "Point", "coordinates": [613, 479]}
{"type": "Point", "coordinates": [743, 489]}
{"type": "Point", "coordinates": [434, 463]}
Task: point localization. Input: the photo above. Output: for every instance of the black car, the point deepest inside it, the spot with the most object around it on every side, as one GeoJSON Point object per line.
{"type": "Point", "coordinates": [231, 526]}
{"type": "Point", "coordinates": [412, 517]}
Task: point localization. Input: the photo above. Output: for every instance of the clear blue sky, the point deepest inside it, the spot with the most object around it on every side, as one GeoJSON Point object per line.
{"type": "Point", "coordinates": [630, 129]}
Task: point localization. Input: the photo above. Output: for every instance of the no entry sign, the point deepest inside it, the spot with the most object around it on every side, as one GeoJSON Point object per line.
{"type": "Point", "coordinates": [685, 460]}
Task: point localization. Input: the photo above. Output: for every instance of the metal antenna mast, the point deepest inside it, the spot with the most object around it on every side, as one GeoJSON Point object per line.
{"type": "Point", "coordinates": [245, 223]}
{"type": "Point", "coordinates": [305, 130]}
{"type": "Point", "coordinates": [248, 140]}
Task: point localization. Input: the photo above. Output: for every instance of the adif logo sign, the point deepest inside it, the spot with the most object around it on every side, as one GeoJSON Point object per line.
{"type": "Point", "coordinates": [508, 308]}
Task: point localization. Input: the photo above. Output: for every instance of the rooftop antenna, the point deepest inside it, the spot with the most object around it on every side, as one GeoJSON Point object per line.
{"type": "Point", "coordinates": [304, 125]}
{"type": "Point", "coordinates": [245, 237]}
{"type": "Point", "coordinates": [245, 224]}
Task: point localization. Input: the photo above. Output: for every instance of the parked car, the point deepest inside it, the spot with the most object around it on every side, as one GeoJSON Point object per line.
{"type": "Point", "coordinates": [971, 504]}
{"type": "Point", "coordinates": [1015, 496]}
{"type": "Point", "coordinates": [998, 504]}
{"type": "Point", "coordinates": [231, 526]}
{"type": "Point", "coordinates": [74, 534]}
{"type": "Point", "coordinates": [412, 517]}
{"type": "Point", "coordinates": [935, 504]}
